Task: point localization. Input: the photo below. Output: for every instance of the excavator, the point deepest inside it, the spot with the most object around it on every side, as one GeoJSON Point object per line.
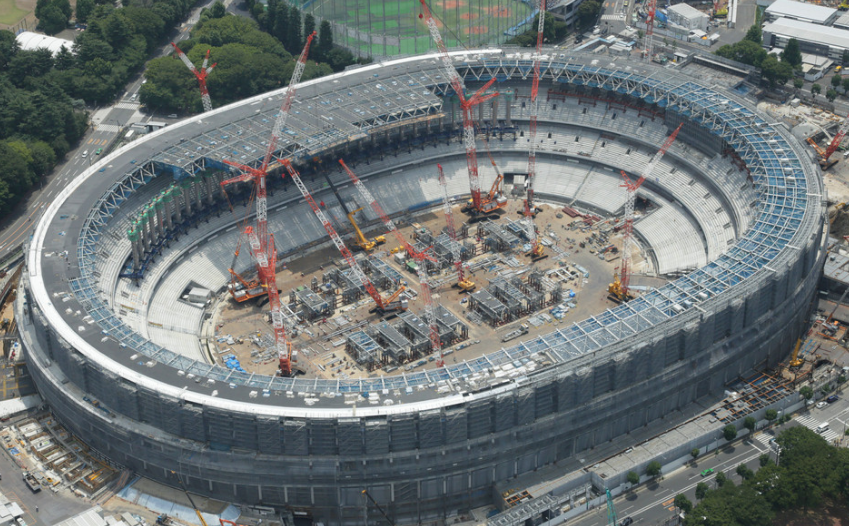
{"type": "Point", "coordinates": [362, 241]}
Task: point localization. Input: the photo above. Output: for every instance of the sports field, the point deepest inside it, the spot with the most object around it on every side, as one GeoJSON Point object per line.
{"type": "Point", "coordinates": [11, 12]}
{"type": "Point", "coordinates": [391, 27]}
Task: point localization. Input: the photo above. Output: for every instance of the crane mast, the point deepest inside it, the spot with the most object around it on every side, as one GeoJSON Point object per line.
{"type": "Point", "coordinates": [532, 126]}
{"type": "Point", "coordinates": [465, 284]}
{"type": "Point", "coordinates": [651, 8]}
{"type": "Point", "coordinates": [366, 195]}
{"type": "Point", "coordinates": [628, 229]}
{"type": "Point", "coordinates": [466, 105]}
{"type": "Point", "coordinates": [258, 175]}
{"type": "Point", "coordinates": [349, 258]}
{"type": "Point", "coordinates": [200, 74]}
{"type": "Point", "coordinates": [430, 315]}
{"type": "Point", "coordinates": [266, 265]}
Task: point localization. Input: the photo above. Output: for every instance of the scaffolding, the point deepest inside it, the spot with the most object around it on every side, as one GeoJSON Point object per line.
{"type": "Point", "coordinates": [364, 349]}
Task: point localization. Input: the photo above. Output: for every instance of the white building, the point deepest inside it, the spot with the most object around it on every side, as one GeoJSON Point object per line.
{"type": "Point", "coordinates": [813, 38]}
{"type": "Point", "coordinates": [811, 13]}
{"type": "Point", "coordinates": [29, 41]}
{"type": "Point", "coordinates": [687, 17]}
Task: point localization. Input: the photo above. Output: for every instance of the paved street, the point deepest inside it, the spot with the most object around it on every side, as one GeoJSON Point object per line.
{"type": "Point", "coordinates": [651, 503]}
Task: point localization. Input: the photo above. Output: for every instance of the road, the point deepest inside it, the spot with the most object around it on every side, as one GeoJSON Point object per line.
{"type": "Point", "coordinates": [651, 504]}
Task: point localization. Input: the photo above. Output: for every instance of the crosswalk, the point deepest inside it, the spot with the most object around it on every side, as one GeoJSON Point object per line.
{"type": "Point", "coordinates": [812, 424]}
{"type": "Point", "coordinates": [111, 128]}
{"type": "Point", "coordinates": [613, 17]}
{"type": "Point", "coordinates": [763, 438]}
{"type": "Point", "coordinates": [127, 106]}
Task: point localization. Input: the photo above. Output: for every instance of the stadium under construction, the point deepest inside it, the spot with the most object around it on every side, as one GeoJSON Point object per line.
{"type": "Point", "coordinates": [115, 305]}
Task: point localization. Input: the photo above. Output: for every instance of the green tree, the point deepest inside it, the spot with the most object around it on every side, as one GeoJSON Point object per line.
{"type": "Point", "coordinates": [836, 81]}
{"type": "Point", "coordinates": [217, 10]}
{"type": "Point", "coordinates": [632, 478]}
{"type": "Point", "coordinates": [653, 469]}
{"type": "Point", "coordinates": [695, 453]}
{"type": "Point", "coordinates": [845, 56]}
{"type": "Point", "coordinates": [683, 503]}
{"type": "Point", "coordinates": [770, 415]}
{"type": "Point", "coordinates": [588, 13]}
{"type": "Point", "coordinates": [774, 72]}
{"type": "Point", "coordinates": [791, 53]}
{"type": "Point", "coordinates": [309, 25]}
{"type": "Point", "coordinates": [754, 34]}
{"type": "Point", "coordinates": [294, 41]}
{"type": "Point", "coordinates": [842, 378]}
{"type": "Point", "coordinates": [729, 432]}
{"type": "Point", "coordinates": [701, 490]}
{"type": "Point", "coordinates": [764, 459]}
{"type": "Point", "coordinates": [83, 9]}
{"type": "Point", "coordinates": [825, 389]}
{"type": "Point", "coordinates": [831, 95]}
{"type": "Point", "coordinates": [807, 392]}
{"type": "Point", "coordinates": [798, 84]}
{"type": "Point", "coordinates": [750, 423]}
{"type": "Point", "coordinates": [325, 40]}
{"type": "Point", "coordinates": [52, 20]}
{"type": "Point", "coordinates": [720, 479]}
{"type": "Point", "coordinates": [744, 472]}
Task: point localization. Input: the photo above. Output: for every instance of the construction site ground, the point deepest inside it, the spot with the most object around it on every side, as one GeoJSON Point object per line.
{"type": "Point", "coordinates": [237, 323]}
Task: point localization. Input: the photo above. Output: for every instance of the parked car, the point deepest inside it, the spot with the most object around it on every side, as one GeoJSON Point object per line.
{"type": "Point", "coordinates": [820, 405]}
{"type": "Point", "coordinates": [831, 399]}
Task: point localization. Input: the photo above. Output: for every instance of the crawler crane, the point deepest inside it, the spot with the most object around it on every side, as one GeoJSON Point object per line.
{"type": "Point", "coordinates": [466, 104]}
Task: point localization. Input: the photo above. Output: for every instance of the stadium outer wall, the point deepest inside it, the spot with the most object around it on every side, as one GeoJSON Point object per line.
{"type": "Point", "coordinates": [426, 465]}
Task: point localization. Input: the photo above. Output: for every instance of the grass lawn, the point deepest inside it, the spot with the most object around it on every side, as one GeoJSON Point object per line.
{"type": "Point", "coordinates": [10, 13]}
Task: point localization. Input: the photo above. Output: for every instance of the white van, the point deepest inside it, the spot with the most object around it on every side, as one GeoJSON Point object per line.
{"type": "Point", "coordinates": [822, 428]}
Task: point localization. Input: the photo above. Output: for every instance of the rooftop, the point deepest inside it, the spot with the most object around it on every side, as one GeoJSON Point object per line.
{"type": "Point", "coordinates": [790, 8]}
{"type": "Point", "coordinates": [808, 32]}
{"type": "Point", "coordinates": [687, 10]}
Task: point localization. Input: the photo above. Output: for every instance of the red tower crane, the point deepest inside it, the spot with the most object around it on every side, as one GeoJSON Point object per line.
{"type": "Point", "coordinates": [365, 194]}
{"type": "Point", "coordinates": [430, 314]}
{"type": "Point", "coordinates": [651, 9]}
{"type": "Point", "coordinates": [619, 287]}
{"type": "Point", "coordinates": [383, 305]}
{"type": "Point", "coordinates": [262, 245]}
{"type": "Point", "coordinates": [200, 74]}
{"type": "Point", "coordinates": [466, 105]}
{"type": "Point", "coordinates": [465, 284]}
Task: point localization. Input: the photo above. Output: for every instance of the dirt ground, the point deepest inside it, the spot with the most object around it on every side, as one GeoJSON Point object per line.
{"type": "Point", "coordinates": [242, 321]}
{"type": "Point", "coordinates": [834, 514]}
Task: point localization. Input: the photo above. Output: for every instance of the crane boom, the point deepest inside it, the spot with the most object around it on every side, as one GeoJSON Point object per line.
{"type": "Point", "coordinates": [369, 198]}
{"type": "Point", "coordinates": [349, 258]}
{"type": "Point", "coordinates": [466, 104]}
{"type": "Point", "coordinates": [191, 500]}
{"type": "Point", "coordinates": [259, 174]}
{"type": "Point", "coordinates": [532, 126]}
{"type": "Point", "coordinates": [449, 224]}
{"type": "Point", "coordinates": [199, 74]}
{"type": "Point", "coordinates": [631, 187]}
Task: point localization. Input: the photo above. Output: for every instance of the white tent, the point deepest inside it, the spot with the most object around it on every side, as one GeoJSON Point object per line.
{"type": "Point", "coordinates": [30, 41]}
